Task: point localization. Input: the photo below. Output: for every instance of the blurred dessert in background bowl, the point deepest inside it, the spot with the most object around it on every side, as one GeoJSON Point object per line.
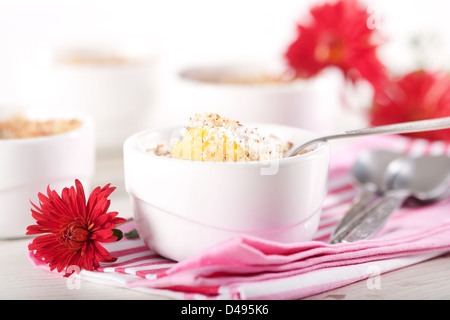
{"type": "Point", "coordinates": [40, 148]}
{"type": "Point", "coordinates": [115, 84]}
{"type": "Point", "coordinates": [254, 92]}
{"type": "Point", "coordinates": [195, 186]}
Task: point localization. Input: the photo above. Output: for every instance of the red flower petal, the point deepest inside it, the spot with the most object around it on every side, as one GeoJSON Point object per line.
{"type": "Point", "coordinates": [418, 95]}
{"type": "Point", "coordinates": [71, 229]}
{"type": "Point", "coordinates": [338, 36]}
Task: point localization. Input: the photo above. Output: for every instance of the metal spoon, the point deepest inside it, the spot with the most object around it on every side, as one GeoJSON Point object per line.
{"type": "Point", "coordinates": [424, 178]}
{"type": "Point", "coordinates": [367, 173]}
{"type": "Point", "coordinates": [405, 127]}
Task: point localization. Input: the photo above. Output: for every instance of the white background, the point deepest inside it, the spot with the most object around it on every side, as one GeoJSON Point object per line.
{"type": "Point", "coordinates": [181, 31]}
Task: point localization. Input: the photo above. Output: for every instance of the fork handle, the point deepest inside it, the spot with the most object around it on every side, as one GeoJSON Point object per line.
{"type": "Point", "coordinates": [368, 222]}
{"type": "Point", "coordinates": [361, 202]}
{"type": "Point", "coordinates": [374, 218]}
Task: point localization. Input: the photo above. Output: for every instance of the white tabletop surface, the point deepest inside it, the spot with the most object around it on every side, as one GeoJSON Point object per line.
{"type": "Point", "coordinates": [20, 280]}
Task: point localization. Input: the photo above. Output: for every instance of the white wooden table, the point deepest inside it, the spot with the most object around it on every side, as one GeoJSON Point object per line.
{"type": "Point", "coordinates": [20, 280]}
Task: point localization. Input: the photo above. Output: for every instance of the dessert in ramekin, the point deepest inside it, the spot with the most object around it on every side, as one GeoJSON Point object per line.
{"type": "Point", "coordinates": [37, 149]}
{"type": "Point", "coordinates": [183, 206]}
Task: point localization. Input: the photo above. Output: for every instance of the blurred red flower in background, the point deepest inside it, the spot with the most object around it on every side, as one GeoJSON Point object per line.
{"type": "Point", "coordinates": [418, 95]}
{"type": "Point", "coordinates": [338, 35]}
{"type": "Point", "coordinates": [72, 229]}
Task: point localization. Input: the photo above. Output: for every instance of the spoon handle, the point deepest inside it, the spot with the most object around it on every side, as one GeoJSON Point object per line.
{"type": "Point", "coordinates": [405, 127]}
{"type": "Point", "coordinates": [368, 223]}
{"type": "Point", "coordinates": [359, 204]}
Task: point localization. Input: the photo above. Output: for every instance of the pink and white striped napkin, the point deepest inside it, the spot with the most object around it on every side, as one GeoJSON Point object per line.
{"type": "Point", "coordinates": [247, 268]}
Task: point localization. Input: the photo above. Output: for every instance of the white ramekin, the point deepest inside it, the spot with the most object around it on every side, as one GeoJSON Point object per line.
{"type": "Point", "coordinates": [310, 104]}
{"type": "Point", "coordinates": [119, 96]}
{"type": "Point", "coordinates": [182, 207]}
{"type": "Point", "coordinates": [28, 166]}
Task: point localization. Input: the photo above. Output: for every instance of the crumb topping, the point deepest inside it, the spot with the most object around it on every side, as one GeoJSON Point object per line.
{"type": "Point", "coordinates": [221, 131]}
{"type": "Point", "coordinates": [210, 137]}
{"type": "Point", "coordinates": [20, 127]}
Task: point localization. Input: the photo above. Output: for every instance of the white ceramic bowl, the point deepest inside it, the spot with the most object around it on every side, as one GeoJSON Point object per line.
{"type": "Point", "coordinates": [182, 207]}
{"type": "Point", "coordinates": [310, 104]}
{"type": "Point", "coordinates": [119, 96]}
{"type": "Point", "coordinates": [28, 166]}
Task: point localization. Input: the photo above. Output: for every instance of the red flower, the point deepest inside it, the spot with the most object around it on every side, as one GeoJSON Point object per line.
{"type": "Point", "coordinates": [73, 228]}
{"type": "Point", "coordinates": [418, 95]}
{"type": "Point", "coordinates": [337, 36]}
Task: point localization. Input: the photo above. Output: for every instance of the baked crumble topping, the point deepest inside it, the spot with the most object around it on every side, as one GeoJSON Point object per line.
{"type": "Point", "coordinates": [20, 127]}
{"type": "Point", "coordinates": [210, 137]}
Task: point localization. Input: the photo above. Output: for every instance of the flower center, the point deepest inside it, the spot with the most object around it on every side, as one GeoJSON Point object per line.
{"type": "Point", "coordinates": [330, 49]}
{"type": "Point", "coordinates": [75, 235]}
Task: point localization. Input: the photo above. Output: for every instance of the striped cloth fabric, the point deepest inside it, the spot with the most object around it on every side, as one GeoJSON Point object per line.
{"type": "Point", "coordinates": [247, 268]}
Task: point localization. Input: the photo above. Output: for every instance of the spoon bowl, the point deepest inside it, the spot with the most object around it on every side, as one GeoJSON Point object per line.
{"type": "Point", "coordinates": [425, 178]}
{"type": "Point", "coordinates": [367, 172]}
{"type": "Point", "coordinates": [370, 167]}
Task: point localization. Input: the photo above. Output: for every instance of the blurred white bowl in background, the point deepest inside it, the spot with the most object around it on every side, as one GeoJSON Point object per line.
{"type": "Point", "coordinates": [28, 166]}
{"type": "Point", "coordinates": [114, 84]}
{"type": "Point", "coordinates": [310, 104]}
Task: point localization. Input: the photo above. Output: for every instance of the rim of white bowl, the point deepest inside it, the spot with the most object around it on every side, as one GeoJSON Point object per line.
{"type": "Point", "coordinates": [49, 113]}
{"type": "Point", "coordinates": [296, 84]}
{"type": "Point", "coordinates": [323, 146]}
{"type": "Point", "coordinates": [136, 56]}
